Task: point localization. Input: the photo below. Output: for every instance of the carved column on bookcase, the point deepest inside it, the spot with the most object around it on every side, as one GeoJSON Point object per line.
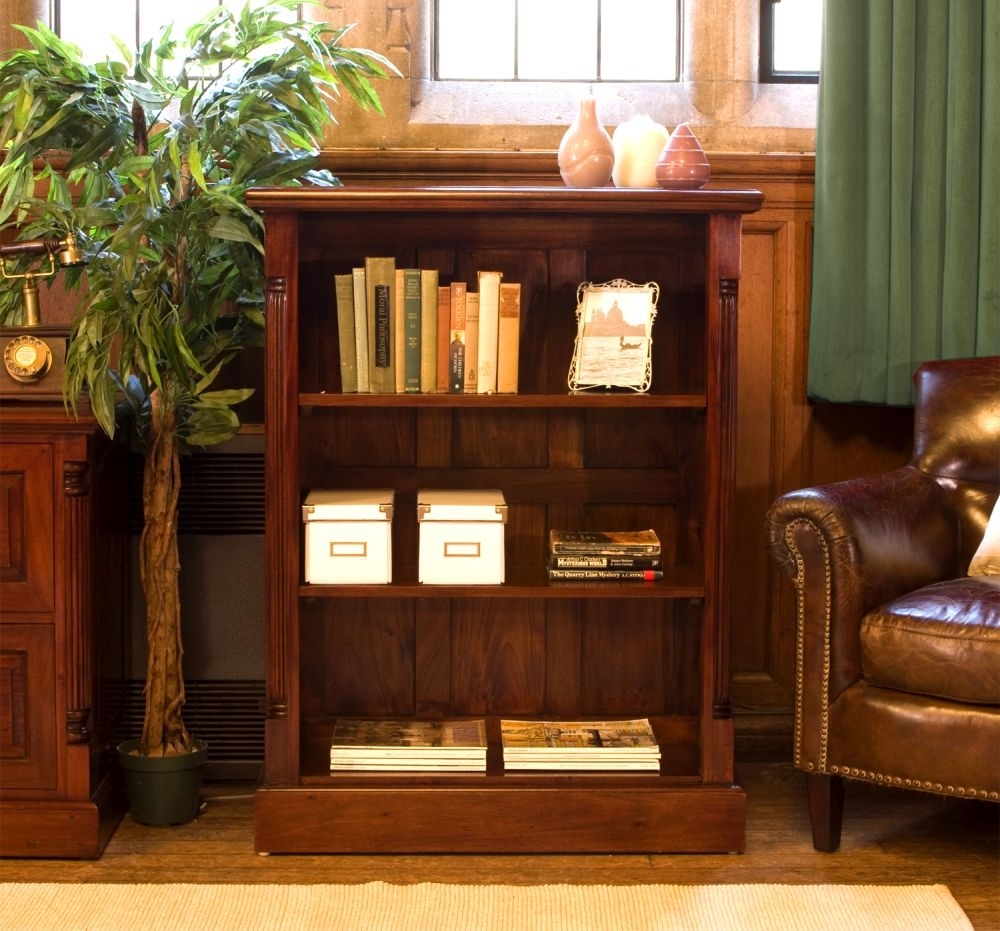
{"type": "Point", "coordinates": [722, 275]}
{"type": "Point", "coordinates": [277, 309]}
{"type": "Point", "coordinates": [728, 302]}
{"type": "Point", "coordinates": [77, 594]}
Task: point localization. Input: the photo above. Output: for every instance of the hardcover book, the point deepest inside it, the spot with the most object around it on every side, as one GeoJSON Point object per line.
{"type": "Point", "coordinates": [398, 333]}
{"type": "Point", "coordinates": [604, 542]}
{"type": "Point", "coordinates": [412, 343]}
{"type": "Point", "coordinates": [380, 282]}
{"type": "Point", "coordinates": [456, 344]}
{"type": "Point", "coordinates": [428, 330]}
{"type": "Point", "coordinates": [489, 316]}
{"type": "Point", "coordinates": [361, 328]}
{"type": "Point", "coordinates": [603, 561]}
{"type": "Point", "coordinates": [471, 340]}
{"type": "Point", "coordinates": [508, 336]}
{"type": "Point", "coordinates": [608, 575]}
{"type": "Point", "coordinates": [346, 342]}
{"type": "Point", "coordinates": [443, 336]}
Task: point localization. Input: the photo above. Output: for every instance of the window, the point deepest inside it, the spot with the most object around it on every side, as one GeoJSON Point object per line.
{"type": "Point", "coordinates": [790, 37]}
{"type": "Point", "coordinates": [557, 40]}
{"type": "Point", "coordinates": [133, 21]}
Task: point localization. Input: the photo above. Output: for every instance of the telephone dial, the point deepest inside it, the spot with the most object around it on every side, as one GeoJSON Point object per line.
{"type": "Point", "coordinates": [27, 354]}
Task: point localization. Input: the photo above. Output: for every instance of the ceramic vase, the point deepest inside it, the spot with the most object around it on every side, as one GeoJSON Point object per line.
{"type": "Point", "coordinates": [682, 164]}
{"type": "Point", "coordinates": [586, 156]}
{"type": "Point", "coordinates": [637, 143]}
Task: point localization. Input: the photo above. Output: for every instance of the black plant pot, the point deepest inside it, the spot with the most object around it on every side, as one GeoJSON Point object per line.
{"type": "Point", "coordinates": [162, 790]}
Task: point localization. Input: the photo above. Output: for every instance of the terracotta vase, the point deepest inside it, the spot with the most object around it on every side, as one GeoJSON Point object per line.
{"type": "Point", "coordinates": [586, 156]}
{"type": "Point", "coordinates": [682, 164]}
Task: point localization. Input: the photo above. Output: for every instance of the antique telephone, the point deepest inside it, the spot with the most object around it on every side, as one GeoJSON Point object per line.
{"type": "Point", "coordinates": [27, 354]}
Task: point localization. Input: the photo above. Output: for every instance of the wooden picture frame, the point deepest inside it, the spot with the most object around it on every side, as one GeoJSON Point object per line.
{"type": "Point", "coordinates": [614, 335]}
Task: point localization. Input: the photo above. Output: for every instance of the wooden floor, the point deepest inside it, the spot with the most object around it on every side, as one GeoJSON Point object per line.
{"type": "Point", "coordinates": [889, 836]}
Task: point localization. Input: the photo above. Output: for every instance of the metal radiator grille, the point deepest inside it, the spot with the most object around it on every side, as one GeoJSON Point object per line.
{"type": "Point", "coordinates": [226, 714]}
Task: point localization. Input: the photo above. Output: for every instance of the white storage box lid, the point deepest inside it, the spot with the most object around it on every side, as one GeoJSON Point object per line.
{"type": "Point", "coordinates": [473, 504]}
{"type": "Point", "coordinates": [348, 504]}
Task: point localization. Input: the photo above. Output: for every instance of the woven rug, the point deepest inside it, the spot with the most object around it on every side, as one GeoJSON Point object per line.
{"type": "Point", "coordinates": [380, 906]}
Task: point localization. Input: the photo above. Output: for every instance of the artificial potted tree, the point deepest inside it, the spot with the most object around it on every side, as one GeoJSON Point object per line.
{"type": "Point", "coordinates": [145, 162]}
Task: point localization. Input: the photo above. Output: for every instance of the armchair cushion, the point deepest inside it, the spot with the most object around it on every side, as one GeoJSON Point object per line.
{"type": "Point", "coordinates": [941, 640]}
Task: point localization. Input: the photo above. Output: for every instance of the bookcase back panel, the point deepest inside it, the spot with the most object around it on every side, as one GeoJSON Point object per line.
{"type": "Point", "coordinates": [455, 656]}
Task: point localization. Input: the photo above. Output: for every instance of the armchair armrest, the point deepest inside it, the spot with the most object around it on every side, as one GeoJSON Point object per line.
{"type": "Point", "coordinates": [853, 545]}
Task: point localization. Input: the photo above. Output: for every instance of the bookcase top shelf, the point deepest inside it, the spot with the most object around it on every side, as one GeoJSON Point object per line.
{"type": "Point", "coordinates": [506, 199]}
{"type": "Point", "coordinates": [580, 399]}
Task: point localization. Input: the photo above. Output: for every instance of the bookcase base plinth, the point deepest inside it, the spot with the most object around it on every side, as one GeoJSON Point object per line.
{"type": "Point", "coordinates": [536, 819]}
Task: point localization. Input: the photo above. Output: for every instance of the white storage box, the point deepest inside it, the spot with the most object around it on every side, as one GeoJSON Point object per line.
{"type": "Point", "coordinates": [461, 536]}
{"type": "Point", "coordinates": [348, 536]}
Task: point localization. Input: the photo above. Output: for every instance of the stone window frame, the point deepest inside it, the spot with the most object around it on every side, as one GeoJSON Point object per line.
{"type": "Point", "coordinates": [719, 94]}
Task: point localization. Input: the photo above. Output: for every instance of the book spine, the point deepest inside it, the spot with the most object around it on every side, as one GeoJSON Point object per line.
{"type": "Point", "coordinates": [399, 333]}
{"type": "Point", "coordinates": [346, 343]}
{"type": "Point", "coordinates": [380, 277]}
{"type": "Point", "coordinates": [428, 329]}
{"type": "Point", "coordinates": [456, 345]}
{"type": "Point", "coordinates": [471, 340]}
{"type": "Point", "coordinates": [596, 561]}
{"type": "Point", "coordinates": [645, 575]}
{"type": "Point", "coordinates": [508, 336]}
{"type": "Point", "coordinates": [443, 336]}
{"type": "Point", "coordinates": [412, 333]}
{"type": "Point", "coordinates": [489, 316]}
{"type": "Point", "coordinates": [361, 328]}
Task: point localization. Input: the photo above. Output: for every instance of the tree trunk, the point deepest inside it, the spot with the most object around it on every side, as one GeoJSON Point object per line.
{"type": "Point", "coordinates": [163, 732]}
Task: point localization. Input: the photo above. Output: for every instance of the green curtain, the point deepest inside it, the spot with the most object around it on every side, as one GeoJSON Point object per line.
{"type": "Point", "coordinates": [906, 252]}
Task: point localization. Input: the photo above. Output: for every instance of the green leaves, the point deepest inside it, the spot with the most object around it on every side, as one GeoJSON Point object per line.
{"type": "Point", "coordinates": [159, 148]}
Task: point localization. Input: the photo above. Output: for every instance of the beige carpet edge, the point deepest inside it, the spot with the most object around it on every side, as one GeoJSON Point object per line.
{"type": "Point", "coordinates": [381, 906]}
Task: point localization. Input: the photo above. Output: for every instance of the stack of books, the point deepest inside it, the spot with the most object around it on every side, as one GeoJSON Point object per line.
{"type": "Point", "coordinates": [382, 745]}
{"type": "Point", "coordinates": [408, 331]}
{"type": "Point", "coordinates": [580, 745]}
{"type": "Point", "coordinates": [605, 554]}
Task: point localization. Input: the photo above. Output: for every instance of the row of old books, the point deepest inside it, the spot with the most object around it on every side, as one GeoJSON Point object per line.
{"type": "Point", "coordinates": [610, 555]}
{"type": "Point", "coordinates": [459, 745]}
{"type": "Point", "coordinates": [402, 330]}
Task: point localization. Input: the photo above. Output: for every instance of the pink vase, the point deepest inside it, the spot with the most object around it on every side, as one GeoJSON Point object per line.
{"type": "Point", "coordinates": [682, 164]}
{"type": "Point", "coordinates": [586, 156]}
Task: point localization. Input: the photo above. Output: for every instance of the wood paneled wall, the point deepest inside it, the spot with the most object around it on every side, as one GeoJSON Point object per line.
{"type": "Point", "coordinates": [784, 440]}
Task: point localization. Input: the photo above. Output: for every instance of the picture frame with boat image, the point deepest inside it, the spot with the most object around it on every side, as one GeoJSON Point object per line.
{"type": "Point", "coordinates": [614, 336]}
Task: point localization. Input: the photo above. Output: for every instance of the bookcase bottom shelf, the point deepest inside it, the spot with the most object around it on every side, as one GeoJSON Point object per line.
{"type": "Point", "coordinates": [528, 819]}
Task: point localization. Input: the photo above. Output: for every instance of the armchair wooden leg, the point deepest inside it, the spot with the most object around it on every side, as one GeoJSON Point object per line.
{"type": "Point", "coordinates": [826, 810]}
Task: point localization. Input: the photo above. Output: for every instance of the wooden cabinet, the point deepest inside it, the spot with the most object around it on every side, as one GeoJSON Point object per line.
{"type": "Point", "coordinates": [590, 460]}
{"type": "Point", "coordinates": [62, 558]}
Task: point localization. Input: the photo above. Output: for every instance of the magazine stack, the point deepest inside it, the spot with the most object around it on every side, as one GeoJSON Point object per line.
{"type": "Point", "coordinates": [580, 745]}
{"type": "Point", "coordinates": [379, 745]}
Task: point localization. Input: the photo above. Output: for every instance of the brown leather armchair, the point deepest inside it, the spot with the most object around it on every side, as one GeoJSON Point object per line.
{"type": "Point", "coordinates": [897, 676]}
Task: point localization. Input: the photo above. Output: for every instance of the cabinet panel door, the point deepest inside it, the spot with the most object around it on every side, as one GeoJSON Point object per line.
{"type": "Point", "coordinates": [26, 529]}
{"type": "Point", "coordinates": [27, 718]}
